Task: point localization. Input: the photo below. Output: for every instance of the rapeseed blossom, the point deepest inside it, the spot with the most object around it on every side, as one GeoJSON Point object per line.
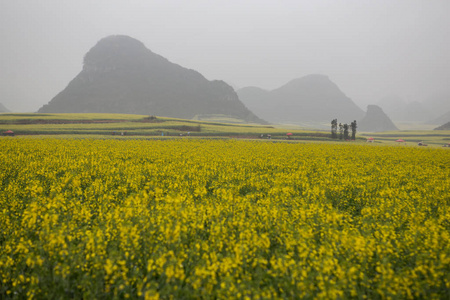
{"type": "Point", "coordinates": [86, 218]}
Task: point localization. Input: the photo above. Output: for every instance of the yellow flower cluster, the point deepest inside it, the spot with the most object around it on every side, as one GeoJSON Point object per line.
{"type": "Point", "coordinates": [197, 219]}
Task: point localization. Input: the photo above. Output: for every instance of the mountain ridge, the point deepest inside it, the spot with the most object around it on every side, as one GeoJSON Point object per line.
{"type": "Point", "coordinates": [3, 109]}
{"type": "Point", "coordinates": [120, 75]}
{"type": "Point", "coordinates": [445, 126]}
{"type": "Point", "coordinates": [376, 120]}
{"type": "Point", "coordinates": [310, 98]}
{"type": "Point", "coordinates": [427, 111]}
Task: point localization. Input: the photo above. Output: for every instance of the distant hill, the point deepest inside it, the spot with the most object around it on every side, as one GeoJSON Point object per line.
{"type": "Point", "coordinates": [438, 105]}
{"type": "Point", "coordinates": [311, 98]}
{"type": "Point", "coordinates": [416, 111]}
{"type": "Point", "coordinates": [393, 106]}
{"type": "Point", "coordinates": [120, 75]}
{"type": "Point", "coordinates": [399, 110]}
{"type": "Point", "coordinates": [441, 119]}
{"type": "Point", "coordinates": [446, 126]}
{"type": "Point", "coordinates": [3, 109]}
{"type": "Point", "coordinates": [425, 111]}
{"type": "Point", "coordinates": [376, 120]}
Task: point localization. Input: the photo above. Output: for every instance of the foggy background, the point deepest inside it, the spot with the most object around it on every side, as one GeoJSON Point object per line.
{"type": "Point", "coordinates": [370, 49]}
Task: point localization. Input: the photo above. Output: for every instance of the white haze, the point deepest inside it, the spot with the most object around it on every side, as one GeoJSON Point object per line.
{"type": "Point", "coordinates": [370, 49]}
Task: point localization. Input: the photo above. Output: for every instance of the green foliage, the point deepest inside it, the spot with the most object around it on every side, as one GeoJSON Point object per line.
{"type": "Point", "coordinates": [334, 126]}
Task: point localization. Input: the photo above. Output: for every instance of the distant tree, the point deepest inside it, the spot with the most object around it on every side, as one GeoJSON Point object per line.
{"type": "Point", "coordinates": [345, 131]}
{"type": "Point", "coordinates": [334, 126]}
{"type": "Point", "coordinates": [341, 131]}
{"type": "Point", "coordinates": [353, 126]}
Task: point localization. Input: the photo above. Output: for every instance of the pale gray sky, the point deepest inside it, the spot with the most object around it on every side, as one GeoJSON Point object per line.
{"type": "Point", "coordinates": [370, 49]}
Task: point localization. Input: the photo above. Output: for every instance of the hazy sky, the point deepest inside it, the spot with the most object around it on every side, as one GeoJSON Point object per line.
{"type": "Point", "coordinates": [369, 48]}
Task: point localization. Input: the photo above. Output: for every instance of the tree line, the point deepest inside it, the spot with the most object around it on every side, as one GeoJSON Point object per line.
{"type": "Point", "coordinates": [343, 130]}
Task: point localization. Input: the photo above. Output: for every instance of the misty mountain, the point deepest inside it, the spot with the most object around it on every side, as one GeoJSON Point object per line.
{"type": "Point", "coordinates": [442, 119]}
{"type": "Point", "coordinates": [313, 98]}
{"type": "Point", "coordinates": [400, 110]}
{"type": "Point", "coordinates": [438, 104]}
{"type": "Point", "coordinates": [3, 109]}
{"type": "Point", "coordinates": [120, 75]}
{"type": "Point", "coordinates": [376, 120]}
{"type": "Point", "coordinates": [393, 106]}
{"type": "Point", "coordinates": [446, 126]}
{"type": "Point", "coordinates": [426, 111]}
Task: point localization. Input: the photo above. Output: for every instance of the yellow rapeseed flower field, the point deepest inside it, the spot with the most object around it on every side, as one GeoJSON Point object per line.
{"type": "Point", "coordinates": [190, 219]}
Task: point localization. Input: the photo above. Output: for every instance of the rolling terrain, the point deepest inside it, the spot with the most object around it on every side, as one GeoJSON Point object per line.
{"type": "Point", "coordinates": [149, 127]}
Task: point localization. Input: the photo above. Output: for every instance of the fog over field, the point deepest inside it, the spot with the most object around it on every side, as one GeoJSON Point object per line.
{"type": "Point", "coordinates": [370, 49]}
